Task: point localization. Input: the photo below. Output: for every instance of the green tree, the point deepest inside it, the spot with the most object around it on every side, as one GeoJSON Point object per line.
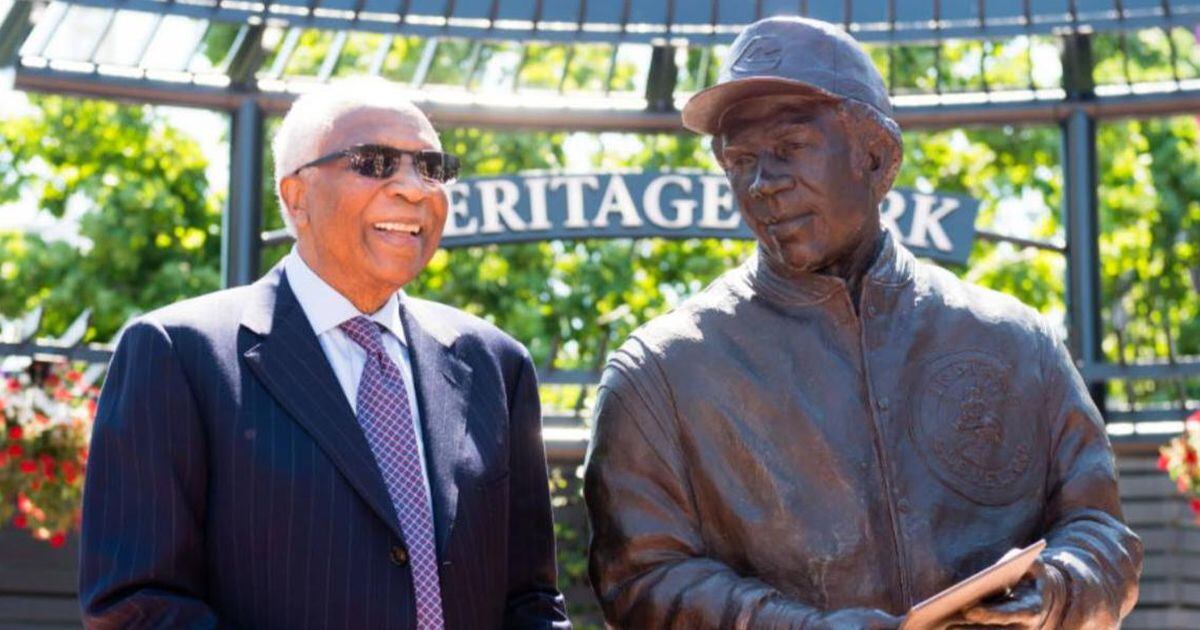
{"type": "Point", "coordinates": [150, 229]}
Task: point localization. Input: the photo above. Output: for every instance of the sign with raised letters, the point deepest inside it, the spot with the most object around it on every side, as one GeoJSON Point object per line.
{"type": "Point", "coordinates": [537, 207]}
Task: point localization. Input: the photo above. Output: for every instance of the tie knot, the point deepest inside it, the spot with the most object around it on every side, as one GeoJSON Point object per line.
{"type": "Point", "coordinates": [364, 332]}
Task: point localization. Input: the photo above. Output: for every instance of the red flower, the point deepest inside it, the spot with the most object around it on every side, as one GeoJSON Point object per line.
{"type": "Point", "coordinates": [14, 385]}
{"type": "Point", "coordinates": [70, 472]}
{"type": "Point", "coordinates": [58, 539]}
{"type": "Point", "coordinates": [1181, 484]}
{"type": "Point", "coordinates": [15, 450]}
{"type": "Point", "coordinates": [28, 466]}
{"type": "Point", "coordinates": [20, 522]}
{"type": "Point", "coordinates": [24, 505]}
{"type": "Point", "coordinates": [3, 459]}
{"type": "Point", "coordinates": [48, 469]}
{"type": "Point", "coordinates": [52, 380]}
{"type": "Point", "coordinates": [1164, 462]}
{"type": "Point", "coordinates": [1190, 457]}
{"type": "Point", "coordinates": [1195, 505]}
{"type": "Point", "coordinates": [15, 432]}
{"type": "Point", "coordinates": [62, 394]}
{"type": "Point", "coordinates": [73, 376]}
{"type": "Point", "coordinates": [41, 419]}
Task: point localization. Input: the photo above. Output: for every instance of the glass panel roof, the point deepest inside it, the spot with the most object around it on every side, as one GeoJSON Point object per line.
{"type": "Point", "coordinates": [699, 21]}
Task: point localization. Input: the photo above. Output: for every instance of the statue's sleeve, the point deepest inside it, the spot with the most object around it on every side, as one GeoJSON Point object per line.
{"type": "Point", "coordinates": [1088, 541]}
{"type": "Point", "coordinates": [647, 560]}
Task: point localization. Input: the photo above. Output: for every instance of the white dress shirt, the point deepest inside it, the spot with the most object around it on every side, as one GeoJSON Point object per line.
{"type": "Point", "coordinates": [326, 309]}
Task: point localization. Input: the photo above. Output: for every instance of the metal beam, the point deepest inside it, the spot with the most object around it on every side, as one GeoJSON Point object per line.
{"type": "Point", "coordinates": [240, 238]}
{"type": "Point", "coordinates": [1148, 370]}
{"type": "Point", "coordinates": [1047, 112]}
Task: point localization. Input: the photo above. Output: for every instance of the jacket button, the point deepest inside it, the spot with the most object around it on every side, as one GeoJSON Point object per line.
{"type": "Point", "coordinates": [399, 556]}
{"type": "Point", "coordinates": [882, 403]}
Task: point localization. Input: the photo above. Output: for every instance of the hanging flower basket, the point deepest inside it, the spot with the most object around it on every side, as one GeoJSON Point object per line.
{"type": "Point", "coordinates": [1180, 459]}
{"type": "Point", "coordinates": [45, 423]}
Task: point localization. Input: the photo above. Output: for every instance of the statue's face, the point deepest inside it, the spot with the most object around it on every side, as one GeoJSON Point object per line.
{"type": "Point", "coordinates": [790, 165]}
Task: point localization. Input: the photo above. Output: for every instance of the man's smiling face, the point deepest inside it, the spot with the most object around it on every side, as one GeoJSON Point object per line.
{"type": "Point", "coordinates": [789, 162]}
{"type": "Point", "coordinates": [361, 234]}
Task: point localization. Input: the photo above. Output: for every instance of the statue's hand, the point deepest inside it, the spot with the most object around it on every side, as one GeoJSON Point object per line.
{"type": "Point", "coordinates": [857, 618]}
{"type": "Point", "coordinates": [1027, 606]}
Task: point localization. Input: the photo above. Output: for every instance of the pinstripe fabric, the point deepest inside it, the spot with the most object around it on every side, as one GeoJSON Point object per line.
{"type": "Point", "coordinates": [231, 486]}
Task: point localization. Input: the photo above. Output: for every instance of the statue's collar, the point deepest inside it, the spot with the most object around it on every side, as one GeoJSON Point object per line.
{"type": "Point", "coordinates": [892, 267]}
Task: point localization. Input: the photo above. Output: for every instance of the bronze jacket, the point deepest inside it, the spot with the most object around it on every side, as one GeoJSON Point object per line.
{"type": "Point", "coordinates": [762, 453]}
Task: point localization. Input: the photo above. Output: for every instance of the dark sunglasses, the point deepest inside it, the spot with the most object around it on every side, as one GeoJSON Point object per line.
{"type": "Point", "coordinates": [380, 162]}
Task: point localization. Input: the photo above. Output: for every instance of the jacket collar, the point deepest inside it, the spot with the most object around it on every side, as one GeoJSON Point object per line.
{"type": "Point", "coordinates": [894, 266]}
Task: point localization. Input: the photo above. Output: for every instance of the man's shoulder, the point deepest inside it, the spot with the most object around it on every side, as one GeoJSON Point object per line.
{"type": "Point", "coordinates": [970, 303]}
{"type": "Point", "coordinates": [211, 314]}
{"type": "Point", "coordinates": [463, 326]}
{"type": "Point", "coordinates": [692, 326]}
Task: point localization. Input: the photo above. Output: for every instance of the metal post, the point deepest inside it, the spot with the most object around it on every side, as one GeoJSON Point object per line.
{"type": "Point", "coordinates": [1080, 182]}
{"type": "Point", "coordinates": [240, 242]}
{"type": "Point", "coordinates": [660, 85]}
{"type": "Point", "coordinates": [14, 28]}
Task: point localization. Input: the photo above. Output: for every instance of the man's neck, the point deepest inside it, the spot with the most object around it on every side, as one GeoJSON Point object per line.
{"type": "Point", "coordinates": [365, 297]}
{"type": "Point", "coordinates": [854, 267]}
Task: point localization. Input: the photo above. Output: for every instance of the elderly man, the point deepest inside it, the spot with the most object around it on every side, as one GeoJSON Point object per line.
{"type": "Point", "coordinates": [833, 432]}
{"type": "Point", "coordinates": [320, 449]}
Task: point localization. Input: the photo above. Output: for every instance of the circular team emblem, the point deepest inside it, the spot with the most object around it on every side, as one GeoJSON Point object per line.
{"type": "Point", "coordinates": [964, 426]}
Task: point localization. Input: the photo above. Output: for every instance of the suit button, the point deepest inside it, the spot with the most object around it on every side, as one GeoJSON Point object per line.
{"type": "Point", "coordinates": [399, 556]}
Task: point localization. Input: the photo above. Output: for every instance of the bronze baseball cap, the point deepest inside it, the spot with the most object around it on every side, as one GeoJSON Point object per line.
{"type": "Point", "coordinates": [788, 55]}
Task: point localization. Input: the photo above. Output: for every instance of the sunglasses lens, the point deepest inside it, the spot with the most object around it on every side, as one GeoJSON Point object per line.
{"type": "Point", "coordinates": [437, 166]}
{"type": "Point", "coordinates": [374, 162]}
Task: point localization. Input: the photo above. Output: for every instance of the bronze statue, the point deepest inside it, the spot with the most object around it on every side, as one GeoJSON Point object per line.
{"type": "Point", "coordinates": [833, 431]}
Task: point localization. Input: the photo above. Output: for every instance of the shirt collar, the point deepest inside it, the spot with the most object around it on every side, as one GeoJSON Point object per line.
{"type": "Point", "coordinates": [326, 309]}
{"type": "Point", "coordinates": [893, 266]}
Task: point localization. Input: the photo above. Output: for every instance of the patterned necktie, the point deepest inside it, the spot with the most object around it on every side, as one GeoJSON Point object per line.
{"type": "Point", "coordinates": [387, 421]}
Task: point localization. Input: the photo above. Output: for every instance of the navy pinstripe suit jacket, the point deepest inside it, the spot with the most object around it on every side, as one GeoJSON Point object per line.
{"type": "Point", "coordinates": [230, 485]}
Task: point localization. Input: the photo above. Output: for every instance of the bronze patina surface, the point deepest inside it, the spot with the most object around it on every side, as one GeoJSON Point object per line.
{"type": "Point", "coordinates": [834, 431]}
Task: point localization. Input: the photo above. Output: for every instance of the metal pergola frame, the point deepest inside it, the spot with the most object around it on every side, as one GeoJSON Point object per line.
{"type": "Point", "coordinates": [249, 84]}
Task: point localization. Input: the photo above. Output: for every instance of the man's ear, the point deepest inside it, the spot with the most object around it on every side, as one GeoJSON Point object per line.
{"type": "Point", "coordinates": [291, 190]}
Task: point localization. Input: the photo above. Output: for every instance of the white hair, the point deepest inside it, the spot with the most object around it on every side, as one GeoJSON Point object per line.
{"type": "Point", "coordinates": [299, 136]}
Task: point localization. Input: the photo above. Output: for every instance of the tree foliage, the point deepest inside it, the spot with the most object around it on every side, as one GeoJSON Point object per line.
{"type": "Point", "coordinates": [149, 228]}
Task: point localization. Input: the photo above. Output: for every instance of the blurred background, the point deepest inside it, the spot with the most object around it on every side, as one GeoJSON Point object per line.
{"type": "Point", "coordinates": [135, 171]}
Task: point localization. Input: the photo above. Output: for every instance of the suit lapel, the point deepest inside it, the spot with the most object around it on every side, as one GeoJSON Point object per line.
{"type": "Point", "coordinates": [442, 384]}
{"type": "Point", "coordinates": [289, 361]}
